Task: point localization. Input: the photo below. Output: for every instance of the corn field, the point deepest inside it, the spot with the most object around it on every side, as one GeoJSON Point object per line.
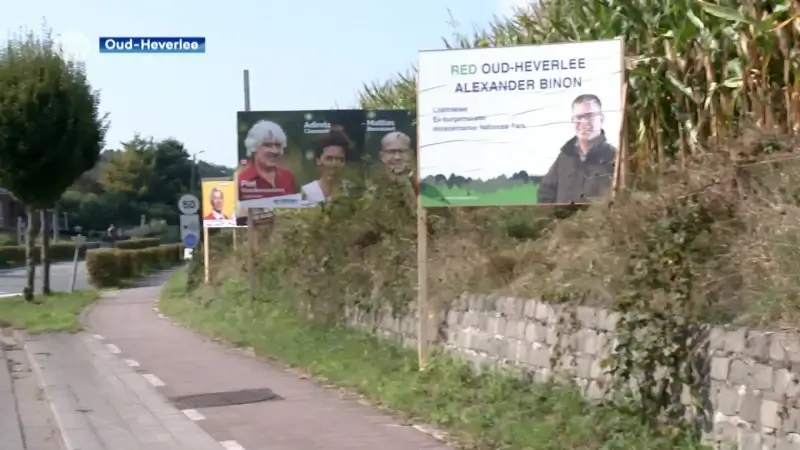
{"type": "Point", "coordinates": [695, 69]}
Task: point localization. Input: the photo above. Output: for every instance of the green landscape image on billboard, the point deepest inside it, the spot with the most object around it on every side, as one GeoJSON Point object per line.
{"type": "Point", "coordinates": [459, 190]}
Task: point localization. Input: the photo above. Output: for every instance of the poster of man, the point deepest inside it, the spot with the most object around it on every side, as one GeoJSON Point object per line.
{"type": "Point", "coordinates": [524, 125]}
{"type": "Point", "coordinates": [390, 139]}
{"type": "Point", "coordinates": [219, 203]}
{"type": "Point", "coordinates": [300, 159]}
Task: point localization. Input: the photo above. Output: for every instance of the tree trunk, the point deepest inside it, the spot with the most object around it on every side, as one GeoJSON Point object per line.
{"type": "Point", "coordinates": [30, 246]}
{"type": "Point", "coordinates": [45, 227]}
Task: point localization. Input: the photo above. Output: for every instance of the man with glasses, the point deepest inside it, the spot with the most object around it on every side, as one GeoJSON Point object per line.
{"type": "Point", "coordinates": [585, 165]}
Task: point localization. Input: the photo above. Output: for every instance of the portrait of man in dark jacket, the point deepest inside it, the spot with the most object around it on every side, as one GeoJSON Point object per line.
{"type": "Point", "coordinates": [584, 168]}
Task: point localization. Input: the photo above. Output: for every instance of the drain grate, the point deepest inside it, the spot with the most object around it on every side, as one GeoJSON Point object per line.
{"type": "Point", "coordinates": [230, 398]}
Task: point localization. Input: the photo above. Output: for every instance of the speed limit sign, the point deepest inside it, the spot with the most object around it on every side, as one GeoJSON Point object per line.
{"type": "Point", "coordinates": [188, 204]}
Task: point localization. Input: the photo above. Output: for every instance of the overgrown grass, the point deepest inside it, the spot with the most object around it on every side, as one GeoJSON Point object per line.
{"type": "Point", "coordinates": [481, 411]}
{"type": "Point", "coordinates": [59, 312]}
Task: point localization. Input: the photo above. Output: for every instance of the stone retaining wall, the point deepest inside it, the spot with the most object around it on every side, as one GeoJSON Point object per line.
{"type": "Point", "coordinates": [754, 376]}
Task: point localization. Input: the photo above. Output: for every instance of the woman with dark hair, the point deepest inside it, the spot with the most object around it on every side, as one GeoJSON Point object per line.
{"type": "Point", "coordinates": [329, 156]}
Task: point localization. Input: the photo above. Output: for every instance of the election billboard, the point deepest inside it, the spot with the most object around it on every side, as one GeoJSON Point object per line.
{"type": "Point", "coordinates": [300, 159]}
{"type": "Point", "coordinates": [523, 125]}
{"type": "Point", "coordinates": [218, 203]}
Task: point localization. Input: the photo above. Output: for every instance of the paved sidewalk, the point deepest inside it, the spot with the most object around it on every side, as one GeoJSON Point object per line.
{"type": "Point", "coordinates": [34, 418]}
{"type": "Point", "coordinates": [100, 403]}
{"type": "Point", "coordinates": [180, 362]}
{"type": "Point", "coordinates": [10, 427]}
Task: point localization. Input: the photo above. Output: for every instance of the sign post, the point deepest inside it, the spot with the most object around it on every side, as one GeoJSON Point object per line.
{"type": "Point", "coordinates": [189, 205]}
{"type": "Point", "coordinates": [79, 241]}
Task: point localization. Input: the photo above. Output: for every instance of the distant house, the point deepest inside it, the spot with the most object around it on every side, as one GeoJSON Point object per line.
{"type": "Point", "coordinates": [10, 209]}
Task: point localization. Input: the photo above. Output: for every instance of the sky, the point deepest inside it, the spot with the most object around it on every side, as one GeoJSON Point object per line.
{"type": "Point", "coordinates": [313, 54]}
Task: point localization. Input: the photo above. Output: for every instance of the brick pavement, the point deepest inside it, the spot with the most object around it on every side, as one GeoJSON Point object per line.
{"type": "Point", "coordinates": [309, 417]}
{"type": "Point", "coordinates": [38, 427]}
{"type": "Point", "coordinates": [10, 427]}
{"type": "Point", "coordinates": [100, 403]}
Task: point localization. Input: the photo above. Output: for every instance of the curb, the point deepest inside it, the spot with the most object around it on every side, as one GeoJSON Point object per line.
{"type": "Point", "coordinates": [16, 427]}
{"type": "Point", "coordinates": [22, 339]}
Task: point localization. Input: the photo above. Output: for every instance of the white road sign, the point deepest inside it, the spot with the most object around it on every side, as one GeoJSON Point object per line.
{"type": "Point", "coordinates": [190, 224]}
{"type": "Point", "coordinates": [188, 204]}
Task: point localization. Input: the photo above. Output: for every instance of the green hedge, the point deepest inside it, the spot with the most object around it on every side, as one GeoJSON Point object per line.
{"type": "Point", "coordinates": [137, 243]}
{"type": "Point", "coordinates": [113, 267]}
{"type": "Point", "coordinates": [14, 255]}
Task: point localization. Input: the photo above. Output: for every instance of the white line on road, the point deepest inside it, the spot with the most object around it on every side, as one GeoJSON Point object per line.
{"type": "Point", "coordinates": [4, 295]}
{"type": "Point", "coordinates": [231, 445]}
{"type": "Point", "coordinates": [160, 316]}
{"type": "Point", "coordinates": [132, 363]}
{"type": "Point", "coordinates": [99, 337]}
{"type": "Point", "coordinates": [113, 349]}
{"type": "Point", "coordinates": [155, 308]}
{"type": "Point", "coordinates": [154, 380]}
{"type": "Point", "coordinates": [193, 414]}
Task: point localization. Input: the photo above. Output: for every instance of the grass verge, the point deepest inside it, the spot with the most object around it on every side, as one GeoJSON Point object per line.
{"type": "Point", "coordinates": [481, 411]}
{"type": "Point", "coordinates": [59, 312]}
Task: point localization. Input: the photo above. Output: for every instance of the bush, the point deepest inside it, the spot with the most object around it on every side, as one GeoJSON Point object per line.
{"type": "Point", "coordinates": [137, 243]}
{"type": "Point", "coordinates": [115, 267]}
{"type": "Point", "coordinates": [14, 255]}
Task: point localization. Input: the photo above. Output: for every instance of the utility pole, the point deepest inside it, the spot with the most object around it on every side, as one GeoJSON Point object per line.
{"type": "Point", "coordinates": [194, 169]}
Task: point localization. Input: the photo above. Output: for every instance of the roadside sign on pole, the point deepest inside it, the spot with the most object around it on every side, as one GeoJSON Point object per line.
{"type": "Point", "coordinates": [190, 224]}
{"type": "Point", "coordinates": [188, 204]}
{"type": "Point", "coordinates": [190, 240]}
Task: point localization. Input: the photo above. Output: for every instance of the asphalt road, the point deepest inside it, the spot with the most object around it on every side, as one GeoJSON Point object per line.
{"type": "Point", "coordinates": [12, 281]}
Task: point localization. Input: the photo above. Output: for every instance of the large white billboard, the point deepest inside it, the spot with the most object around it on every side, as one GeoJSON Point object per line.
{"type": "Point", "coordinates": [520, 125]}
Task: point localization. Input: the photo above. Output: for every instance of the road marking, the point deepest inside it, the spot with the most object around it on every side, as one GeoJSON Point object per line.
{"type": "Point", "coordinates": [154, 380]}
{"type": "Point", "coordinates": [113, 349]}
{"type": "Point", "coordinates": [155, 308]}
{"type": "Point", "coordinates": [231, 445]}
{"type": "Point", "coordinates": [193, 414]}
{"type": "Point", "coordinates": [160, 316]}
{"type": "Point", "coordinates": [4, 295]}
{"type": "Point", "coordinates": [132, 363]}
{"type": "Point", "coordinates": [99, 337]}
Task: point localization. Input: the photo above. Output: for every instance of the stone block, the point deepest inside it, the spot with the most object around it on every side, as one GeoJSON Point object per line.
{"type": "Point", "coordinates": [776, 350]}
{"type": "Point", "coordinates": [588, 342]}
{"type": "Point", "coordinates": [719, 368]}
{"type": "Point", "coordinates": [477, 302]}
{"type": "Point", "coordinates": [770, 414]}
{"type": "Point", "coordinates": [539, 356]}
{"type": "Point", "coordinates": [782, 380]}
{"type": "Point", "coordinates": [544, 312]}
{"type": "Point", "coordinates": [513, 307]}
{"type": "Point", "coordinates": [728, 400]}
{"type": "Point", "coordinates": [583, 366]}
{"type": "Point", "coordinates": [791, 345]}
{"type": "Point", "coordinates": [750, 440]}
{"type": "Point", "coordinates": [515, 329]}
{"type": "Point", "coordinates": [739, 372]}
{"type": "Point", "coordinates": [469, 319]}
{"type": "Point", "coordinates": [735, 340]}
{"type": "Point", "coordinates": [757, 344]}
{"type": "Point", "coordinates": [726, 434]}
{"type": "Point", "coordinates": [716, 339]}
{"type": "Point", "coordinates": [791, 423]}
{"type": "Point", "coordinates": [587, 316]}
{"type": "Point", "coordinates": [750, 407]}
{"type": "Point", "coordinates": [454, 318]}
{"type": "Point", "coordinates": [530, 332]}
{"type": "Point", "coordinates": [762, 376]}
{"type": "Point", "coordinates": [786, 444]}
{"type": "Point", "coordinates": [607, 320]}
{"type": "Point", "coordinates": [530, 309]}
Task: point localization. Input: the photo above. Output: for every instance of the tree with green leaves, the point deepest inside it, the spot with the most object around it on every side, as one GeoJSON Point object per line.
{"type": "Point", "coordinates": [51, 131]}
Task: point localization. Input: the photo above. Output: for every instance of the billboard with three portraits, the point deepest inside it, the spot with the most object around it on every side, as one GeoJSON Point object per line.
{"type": "Point", "coordinates": [299, 159]}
